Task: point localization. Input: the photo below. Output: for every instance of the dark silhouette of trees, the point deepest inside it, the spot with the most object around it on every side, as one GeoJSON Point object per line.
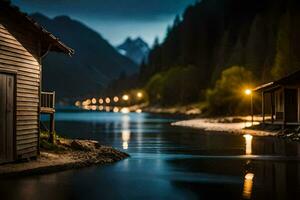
{"type": "Point", "coordinates": [214, 35]}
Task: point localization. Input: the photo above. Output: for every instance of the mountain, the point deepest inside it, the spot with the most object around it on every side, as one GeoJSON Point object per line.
{"type": "Point", "coordinates": [211, 36]}
{"type": "Point", "coordinates": [135, 49]}
{"type": "Point", "coordinates": [94, 64]}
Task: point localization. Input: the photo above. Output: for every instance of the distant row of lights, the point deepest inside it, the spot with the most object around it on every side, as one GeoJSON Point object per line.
{"type": "Point", "coordinates": [110, 109]}
{"type": "Point", "coordinates": [106, 100]}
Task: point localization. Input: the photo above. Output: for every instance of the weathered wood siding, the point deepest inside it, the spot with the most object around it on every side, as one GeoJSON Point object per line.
{"type": "Point", "coordinates": [19, 51]}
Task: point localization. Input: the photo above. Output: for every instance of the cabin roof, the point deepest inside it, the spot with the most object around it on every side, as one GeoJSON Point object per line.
{"type": "Point", "coordinates": [56, 44]}
{"type": "Point", "coordinates": [292, 79]}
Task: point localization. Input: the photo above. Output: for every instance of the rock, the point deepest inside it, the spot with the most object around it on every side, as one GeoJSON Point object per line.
{"type": "Point", "coordinates": [81, 145]}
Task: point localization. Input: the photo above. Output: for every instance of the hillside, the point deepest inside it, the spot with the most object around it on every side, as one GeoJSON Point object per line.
{"type": "Point", "coordinates": [94, 64]}
{"type": "Point", "coordinates": [261, 36]}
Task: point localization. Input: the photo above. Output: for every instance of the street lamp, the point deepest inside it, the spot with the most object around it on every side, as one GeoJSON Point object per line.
{"type": "Point", "coordinates": [139, 95]}
{"type": "Point", "coordinates": [249, 92]}
{"type": "Point", "coordinates": [125, 97]}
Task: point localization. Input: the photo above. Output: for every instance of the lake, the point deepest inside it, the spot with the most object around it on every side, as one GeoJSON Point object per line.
{"type": "Point", "coordinates": [166, 163]}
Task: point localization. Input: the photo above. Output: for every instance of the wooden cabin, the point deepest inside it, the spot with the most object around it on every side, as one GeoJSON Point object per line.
{"type": "Point", "coordinates": [23, 44]}
{"type": "Point", "coordinates": [281, 100]}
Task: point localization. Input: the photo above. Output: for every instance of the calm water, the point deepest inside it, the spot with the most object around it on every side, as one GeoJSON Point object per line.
{"type": "Point", "coordinates": [166, 163]}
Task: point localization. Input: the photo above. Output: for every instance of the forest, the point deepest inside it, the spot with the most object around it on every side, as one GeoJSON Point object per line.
{"type": "Point", "coordinates": [218, 47]}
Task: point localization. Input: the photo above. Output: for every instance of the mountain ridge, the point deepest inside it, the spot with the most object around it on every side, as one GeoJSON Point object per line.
{"type": "Point", "coordinates": [135, 49]}
{"type": "Point", "coordinates": [93, 66]}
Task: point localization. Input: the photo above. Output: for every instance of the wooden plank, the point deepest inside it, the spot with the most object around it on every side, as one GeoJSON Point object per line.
{"type": "Point", "coordinates": [26, 118]}
{"type": "Point", "coordinates": [25, 137]}
{"type": "Point", "coordinates": [17, 51]}
{"type": "Point", "coordinates": [31, 141]}
{"type": "Point", "coordinates": [26, 132]}
{"type": "Point", "coordinates": [25, 78]}
{"type": "Point", "coordinates": [27, 91]}
{"type": "Point", "coordinates": [26, 113]}
{"type": "Point", "coordinates": [32, 96]}
{"type": "Point", "coordinates": [24, 99]}
{"type": "Point", "coordinates": [26, 104]}
{"type": "Point", "coordinates": [27, 150]}
{"type": "Point", "coordinates": [21, 68]}
{"type": "Point", "coordinates": [28, 87]}
{"type": "Point", "coordinates": [25, 146]}
{"type": "Point", "coordinates": [4, 60]}
{"type": "Point", "coordinates": [31, 83]}
{"type": "Point", "coordinates": [19, 60]}
{"type": "Point", "coordinates": [28, 154]}
{"type": "Point", "coordinates": [26, 127]}
{"type": "Point", "coordinates": [19, 40]}
{"type": "Point", "coordinates": [3, 43]}
{"type": "Point", "coordinates": [22, 123]}
{"type": "Point", "coordinates": [18, 55]}
{"type": "Point", "coordinates": [16, 43]}
{"type": "Point", "coordinates": [35, 109]}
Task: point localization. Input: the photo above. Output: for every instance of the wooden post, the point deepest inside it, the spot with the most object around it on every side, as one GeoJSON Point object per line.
{"type": "Point", "coordinates": [263, 107]}
{"type": "Point", "coordinates": [284, 108]}
{"type": "Point", "coordinates": [272, 107]}
{"type": "Point", "coordinates": [252, 112]}
{"type": "Point", "coordinates": [52, 129]}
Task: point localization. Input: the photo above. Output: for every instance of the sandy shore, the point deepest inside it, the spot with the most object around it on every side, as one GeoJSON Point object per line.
{"type": "Point", "coordinates": [72, 154]}
{"type": "Point", "coordinates": [234, 125]}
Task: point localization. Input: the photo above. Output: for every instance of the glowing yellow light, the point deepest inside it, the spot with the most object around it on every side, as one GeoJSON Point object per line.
{"type": "Point", "coordinates": [248, 185]}
{"type": "Point", "coordinates": [85, 107]}
{"type": "Point", "coordinates": [125, 138]}
{"type": "Point", "coordinates": [101, 101]}
{"type": "Point", "coordinates": [88, 102]}
{"type": "Point", "coordinates": [125, 97]}
{"type": "Point", "coordinates": [77, 103]}
{"type": "Point", "coordinates": [116, 109]}
{"type": "Point", "coordinates": [249, 176]}
{"type": "Point", "coordinates": [248, 92]}
{"type": "Point", "coordinates": [139, 95]}
{"type": "Point", "coordinates": [139, 111]}
{"type": "Point", "coordinates": [107, 100]}
{"type": "Point", "coordinates": [248, 139]}
{"type": "Point", "coordinates": [125, 110]}
{"type": "Point", "coordinates": [101, 108]}
{"type": "Point", "coordinates": [94, 107]}
{"type": "Point", "coordinates": [107, 109]}
{"type": "Point", "coordinates": [94, 101]}
{"type": "Point", "coordinates": [116, 99]}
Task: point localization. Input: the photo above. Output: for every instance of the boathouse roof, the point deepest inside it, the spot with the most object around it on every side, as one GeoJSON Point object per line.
{"type": "Point", "coordinates": [53, 41]}
{"type": "Point", "coordinates": [291, 79]}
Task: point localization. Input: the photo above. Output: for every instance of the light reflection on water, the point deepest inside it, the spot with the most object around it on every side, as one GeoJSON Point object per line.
{"type": "Point", "coordinates": [167, 163]}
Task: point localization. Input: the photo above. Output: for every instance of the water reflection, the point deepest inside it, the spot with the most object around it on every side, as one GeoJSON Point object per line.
{"type": "Point", "coordinates": [169, 163]}
{"type": "Point", "coordinates": [248, 185]}
{"type": "Point", "coordinates": [125, 131]}
{"type": "Point", "coordinates": [248, 140]}
{"type": "Point", "coordinates": [125, 138]}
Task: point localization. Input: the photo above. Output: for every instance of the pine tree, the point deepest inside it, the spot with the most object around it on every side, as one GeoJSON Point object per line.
{"type": "Point", "coordinates": [283, 57]}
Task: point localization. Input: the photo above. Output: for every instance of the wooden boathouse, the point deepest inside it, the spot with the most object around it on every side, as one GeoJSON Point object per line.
{"type": "Point", "coordinates": [281, 100]}
{"type": "Point", "coordinates": [23, 44]}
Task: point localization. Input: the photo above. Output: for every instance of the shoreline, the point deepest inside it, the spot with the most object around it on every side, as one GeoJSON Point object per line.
{"type": "Point", "coordinates": [232, 125]}
{"type": "Point", "coordinates": [188, 110]}
{"type": "Point", "coordinates": [73, 154]}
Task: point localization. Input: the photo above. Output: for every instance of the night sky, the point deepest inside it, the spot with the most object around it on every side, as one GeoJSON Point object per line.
{"type": "Point", "coordinates": [114, 19]}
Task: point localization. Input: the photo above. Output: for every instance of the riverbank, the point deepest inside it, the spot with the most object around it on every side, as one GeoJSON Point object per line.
{"type": "Point", "coordinates": [192, 109]}
{"type": "Point", "coordinates": [66, 154]}
{"type": "Point", "coordinates": [234, 125]}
